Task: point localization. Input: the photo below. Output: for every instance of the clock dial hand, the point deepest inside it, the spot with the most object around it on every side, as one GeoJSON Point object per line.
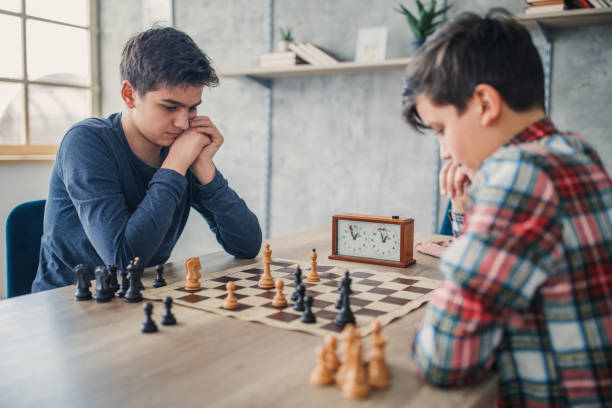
{"type": "Point", "coordinates": [385, 236]}
{"type": "Point", "coordinates": [353, 234]}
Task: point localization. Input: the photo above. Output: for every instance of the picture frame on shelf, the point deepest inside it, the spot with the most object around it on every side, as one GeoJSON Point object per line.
{"type": "Point", "coordinates": [371, 44]}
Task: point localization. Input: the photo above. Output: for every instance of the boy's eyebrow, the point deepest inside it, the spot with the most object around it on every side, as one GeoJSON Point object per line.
{"type": "Point", "coordinates": [172, 101]}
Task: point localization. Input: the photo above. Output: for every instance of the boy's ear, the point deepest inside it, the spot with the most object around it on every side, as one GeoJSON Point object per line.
{"type": "Point", "coordinates": [128, 93]}
{"type": "Point", "coordinates": [489, 103]}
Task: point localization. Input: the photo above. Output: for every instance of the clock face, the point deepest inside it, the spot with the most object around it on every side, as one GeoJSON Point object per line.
{"type": "Point", "coordinates": [368, 240]}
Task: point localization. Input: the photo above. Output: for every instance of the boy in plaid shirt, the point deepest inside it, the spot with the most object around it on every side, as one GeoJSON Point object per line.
{"type": "Point", "coordinates": [528, 283]}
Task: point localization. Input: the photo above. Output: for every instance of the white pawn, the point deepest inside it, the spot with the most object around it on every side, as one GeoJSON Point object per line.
{"type": "Point", "coordinates": [279, 300]}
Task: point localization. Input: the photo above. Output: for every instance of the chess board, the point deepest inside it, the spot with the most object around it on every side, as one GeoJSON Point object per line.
{"type": "Point", "coordinates": [383, 296]}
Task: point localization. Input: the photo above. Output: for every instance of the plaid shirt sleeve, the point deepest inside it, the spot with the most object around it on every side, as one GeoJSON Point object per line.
{"type": "Point", "coordinates": [510, 236]}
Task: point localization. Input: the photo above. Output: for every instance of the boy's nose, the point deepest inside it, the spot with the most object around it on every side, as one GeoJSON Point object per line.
{"type": "Point", "coordinates": [182, 121]}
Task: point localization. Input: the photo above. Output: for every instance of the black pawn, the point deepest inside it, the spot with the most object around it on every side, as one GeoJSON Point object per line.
{"type": "Point", "coordinates": [345, 315]}
{"type": "Point", "coordinates": [297, 280]}
{"type": "Point", "coordinates": [168, 318]}
{"type": "Point", "coordinates": [103, 291]}
{"type": "Point", "coordinates": [125, 284]}
{"type": "Point", "coordinates": [83, 283]}
{"type": "Point", "coordinates": [113, 283]}
{"type": "Point", "coordinates": [139, 266]}
{"type": "Point", "coordinates": [299, 303]}
{"type": "Point", "coordinates": [133, 294]}
{"type": "Point", "coordinates": [148, 326]}
{"type": "Point", "coordinates": [159, 279]}
{"type": "Point", "coordinates": [308, 316]}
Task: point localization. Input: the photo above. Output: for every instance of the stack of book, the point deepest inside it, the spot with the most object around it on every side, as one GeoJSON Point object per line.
{"type": "Point", "coordinates": [549, 6]}
{"type": "Point", "coordinates": [313, 54]}
{"type": "Point", "coordinates": [590, 3]}
{"type": "Point", "coordinates": [280, 59]}
{"type": "Point", "coordinates": [544, 6]}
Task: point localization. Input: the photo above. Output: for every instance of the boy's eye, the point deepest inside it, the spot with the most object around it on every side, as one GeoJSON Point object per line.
{"type": "Point", "coordinates": [169, 108]}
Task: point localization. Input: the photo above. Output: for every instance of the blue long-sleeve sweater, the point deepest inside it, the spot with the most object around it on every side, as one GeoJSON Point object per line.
{"type": "Point", "coordinates": [106, 206]}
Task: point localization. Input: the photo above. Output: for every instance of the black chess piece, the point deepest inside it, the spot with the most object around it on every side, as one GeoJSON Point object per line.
{"type": "Point", "coordinates": [168, 318]}
{"type": "Point", "coordinates": [113, 283]}
{"type": "Point", "coordinates": [159, 279]}
{"type": "Point", "coordinates": [148, 326]}
{"type": "Point", "coordinates": [125, 283]}
{"type": "Point", "coordinates": [139, 266]}
{"type": "Point", "coordinates": [299, 303]}
{"type": "Point", "coordinates": [83, 283]}
{"type": "Point", "coordinates": [297, 280]}
{"type": "Point", "coordinates": [345, 282]}
{"type": "Point", "coordinates": [338, 304]}
{"type": "Point", "coordinates": [308, 316]}
{"type": "Point", "coordinates": [103, 292]}
{"type": "Point", "coordinates": [133, 294]}
{"type": "Point", "coordinates": [345, 315]}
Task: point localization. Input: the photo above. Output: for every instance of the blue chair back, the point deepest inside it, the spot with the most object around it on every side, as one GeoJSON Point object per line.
{"type": "Point", "coordinates": [447, 227]}
{"type": "Point", "coordinates": [24, 228]}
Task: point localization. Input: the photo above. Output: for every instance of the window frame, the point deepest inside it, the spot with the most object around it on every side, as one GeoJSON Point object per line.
{"type": "Point", "coordinates": [34, 153]}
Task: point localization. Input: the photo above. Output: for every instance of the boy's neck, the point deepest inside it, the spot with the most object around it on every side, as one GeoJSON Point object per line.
{"type": "Point", "coordinates": [513, 122]}
{"type": "Point", "coordinates": [143, 149]}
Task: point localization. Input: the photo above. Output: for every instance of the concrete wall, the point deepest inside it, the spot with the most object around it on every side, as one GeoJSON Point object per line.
{"type": "Point", "coordinates": [339, 142]}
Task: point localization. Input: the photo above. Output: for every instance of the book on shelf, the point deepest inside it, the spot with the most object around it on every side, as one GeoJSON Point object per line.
{"type": "Point", "coordinates": [312, 54]}
{"type": "Point", "coordinates": [276, 59]}
{"type": "Point", "coordinates": [538, 3]}
{"type": "Point", "coordinates": [551, 8]}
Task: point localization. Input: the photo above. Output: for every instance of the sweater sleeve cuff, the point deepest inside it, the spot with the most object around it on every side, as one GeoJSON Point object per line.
{"type": "Point", "coordinates": [171, 179]}
{"type": "Point", "coordinates": [207, 190]}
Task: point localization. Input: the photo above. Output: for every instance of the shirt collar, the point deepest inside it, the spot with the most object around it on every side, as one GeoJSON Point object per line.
{"type": "Point", "coordinates": [534, 132]}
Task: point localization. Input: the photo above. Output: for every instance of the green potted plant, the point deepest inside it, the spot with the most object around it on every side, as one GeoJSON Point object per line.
{"type": "Point", "coordinates": [426, 22]}
{"type": "Point", "coordinates": [286, 39]}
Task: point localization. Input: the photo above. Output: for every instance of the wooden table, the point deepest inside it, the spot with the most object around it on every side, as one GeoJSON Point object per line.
{"type": "Point", "coordinates": [57, 352]}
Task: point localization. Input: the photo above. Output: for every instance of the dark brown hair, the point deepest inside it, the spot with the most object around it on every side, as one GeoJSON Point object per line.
{"type": "Point", "coordinates": [471, 50]}
{"type": "Point", "coordinates": [165, 57]}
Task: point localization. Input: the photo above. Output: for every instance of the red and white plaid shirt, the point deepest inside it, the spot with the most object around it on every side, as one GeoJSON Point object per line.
{"type": "Point", "coordinates": [528, 284]}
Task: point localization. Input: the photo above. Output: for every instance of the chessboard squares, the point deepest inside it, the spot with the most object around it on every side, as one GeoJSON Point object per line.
{"type": "Point", "coordinates": [267, 294]}
{"type": "Point", "coordinates": [381, 291]}
{"type": "Point", "coordinates": [284, 316]}
{"type": "Point", "coordinates": [368, 282]}
{"type": "Point", "coordinates": [318, 302]}
{"type": "Point", "coordinates": [368, 312]}
{"type": "Point", "coordinates": [324, 289]}
{"type": "Point", "coordinates": [357, 301]}
{"type": "Point", "coordinates": [326, 314]}
{"type": "Point", "coordinates": [380, 306]}
{"type": "Point", "coordinates": [252, 291]}
{"type": "Point", "coordinates": [418, 289]}
{"type": "Point", "coordinates": [280, 263]}
{"type": "Point", "coordinates": [225, 279]}
{"type": "Point", "coordinates": [332, 326]}
{"type": "Point", "coordinates": [359, 274]}
{"type": "Point", "coordinates": [394, 286]}
{"type": "Point", "coordinates": [192, 298]}
{"type": "Point", "coordinates": [405, 281]}
{"type": "Point", "coordinates": [369, 296]}
{"type": "Point", "coordinates": [284, 270]}
{"type": "Point", "coordinates": [395, 300]}
{"type": "Point", "coordinates": [251, 271]}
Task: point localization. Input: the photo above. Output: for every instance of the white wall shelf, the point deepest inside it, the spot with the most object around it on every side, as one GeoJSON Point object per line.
{"type": "Point", "coordinates": [568, 18]}
{"type": "Point", "coordinates": [304, 70]}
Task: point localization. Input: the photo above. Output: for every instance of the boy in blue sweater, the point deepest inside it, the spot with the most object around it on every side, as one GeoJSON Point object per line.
{"type": "Point", "coordinates": [122, 186]}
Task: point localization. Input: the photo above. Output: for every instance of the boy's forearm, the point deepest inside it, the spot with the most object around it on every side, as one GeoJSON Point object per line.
{"type": "Point", "coordinates": [234, 224]}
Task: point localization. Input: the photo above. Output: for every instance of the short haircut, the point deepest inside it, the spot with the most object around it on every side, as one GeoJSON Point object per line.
{"type": "Point", "coordinates": [471, 50]}
{"type": "Point", "coordinates": [164, 57]}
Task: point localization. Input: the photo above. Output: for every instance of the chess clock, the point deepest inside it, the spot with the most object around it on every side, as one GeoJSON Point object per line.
{"type": "Point", "coordinates": [373, 239]}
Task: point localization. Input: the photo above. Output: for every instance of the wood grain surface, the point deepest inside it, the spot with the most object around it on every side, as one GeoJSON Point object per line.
{"type": "Point", "coordinates": [55, 351]}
